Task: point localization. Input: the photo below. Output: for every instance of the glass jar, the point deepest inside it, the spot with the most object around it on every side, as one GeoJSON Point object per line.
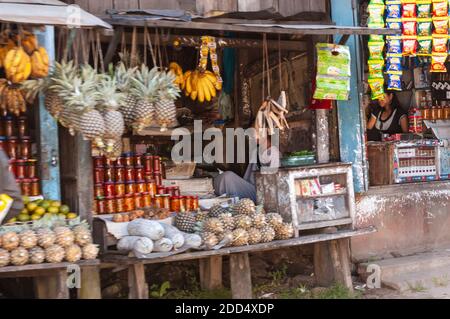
{"type": "Point", "coordinates": [175, 203]}
{"type": "Point", "coordinates": [188, 203]}
{"type": "Point", "coordinates": [174, 190]}
{"type": "Point", "coordinates": [109, 189]}
{"type": "Point", "coordinates": [130, 188]}
{"type": "Point", "coordinates": [129, 203]}
{"type": "Point", "coordinates": [157, 164]}
{"type": "Point", "coordinates": [99, 175]}
{"type": "Point", "coordinates": [3, 143]}
{"type": "Point", "coordinates": [137, 161]}
{"type": "Point", "coordinates": [110, 205]}
{"type": "Point", "coordinates": [120, 204]}
{"type": "Point", "coordinates": [25, 185]}
{"type": "Point", "coordinates": [120, 189]}
{"type": "Point", "coordinates": [129, 173]}
{"type": "Point", "coordinates": [22, 126]}
{"type": "Point", "coordinates": [183, 202]}
{"type": "Point", "coordinates": [166, 201]}
{"type": "Point", "coordinates": [109, 174]}
{"type": "Point", "coordinates": [31, 168]}
{"type": "Point", "coordinates": [434, 113]}
{"type": "Point", "coordinates": [195, 203]}
{"type": "Point", "coordinates": [101, 205]}
{"type": "Point", "coordinates": [128, 159]}
{"type": "Point", "coordinates": [158, 178]}
{"type": "Point", "coordinates": [99, 191]}
{"type": "Point", "coordinates": [98, 161]}
{"type": "Point", "coordinates": [25, 147]}
{"type": "Point", "coordinates": [35, 189]}
{"type": "Point", "coordinates": [161, 190]}
{"type": "Point", "coordinates": [108, 162]}
{"type": "Point", "coordinates": [159, 201]}
{"type": "Point", "coordinates": [120, 161]}
{"type": "Point", "coordinates": [138, 201]}
{"type": "Point", "coordinates": [9, 126]}
{"type": "Point", "coordinates": [447, 112]}
{"type": "Point", "coordinates": [426, 113]}
{"type": "Point", "coordinates": [139, 173]}
{"type": "Point", "coordinates": [151, 187]}
{"type": "Point", "coordinates": [149, 177]}
{"type": "Point", "coordinates": [119, 174]}
{"type": "Point", "coordinates": [20, 169]}
{"type": "Point", "coordinates": [440, 113]}
{"type": "Point", "coordinates": [13, 147]}
{"type": "Point", "coordinates": [147, 199]}
{"type": "Point", "coordinates": [141, 187]}
{"type": "Point", "coordinates": [148, 163]}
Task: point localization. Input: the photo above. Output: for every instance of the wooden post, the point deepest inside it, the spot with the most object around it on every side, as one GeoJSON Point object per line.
{"type": "Point", "coordinates": [240, 276]}
{"type": "Point", "coordinates": [138, 288]}
{"type": "Point", "coordinates": [52, 287]}
{"type": "Point", "coordinates": [323, 266]}
{"type": "Point", "coordinates": [344, 254]}
{"type": "Point", "coordinates": [211, 273]}
{"type": "Point", "coordinates": [90, 283]}
{"type": "Point", "coordinates": [323, 139]}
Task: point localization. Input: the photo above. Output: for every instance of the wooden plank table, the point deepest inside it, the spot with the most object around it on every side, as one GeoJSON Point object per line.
{"type": "Point", "coordinates": [51, 279]}
{"type": "Point", "coordinates": [336, 242]}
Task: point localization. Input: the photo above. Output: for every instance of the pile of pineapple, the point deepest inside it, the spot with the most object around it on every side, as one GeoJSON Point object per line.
{"type": "Point", "coordinates": [51, 245]}
{"type": "Point", "coordinates": [242, 224]}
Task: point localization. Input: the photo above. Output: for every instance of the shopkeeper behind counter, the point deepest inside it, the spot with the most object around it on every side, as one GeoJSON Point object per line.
{"type": "Point", "coordinates": [386, 118]}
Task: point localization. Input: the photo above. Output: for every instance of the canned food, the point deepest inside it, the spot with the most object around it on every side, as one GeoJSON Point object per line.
{"type": "Point", "coordinates": [120, 189]}
{"type": "Point", "coordinates": [109, 189]}
{"type": "Point", "coordinates": [130, 188]}
{"type": "Point", "coordinates": [110, 205]}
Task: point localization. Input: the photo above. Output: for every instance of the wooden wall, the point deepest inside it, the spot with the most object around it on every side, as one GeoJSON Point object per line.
{"type": "Point", "coordinates": [284, 7]}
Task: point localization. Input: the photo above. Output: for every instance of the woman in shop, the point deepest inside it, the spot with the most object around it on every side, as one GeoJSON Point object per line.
{"type": "Point", "coordinates": [9, 187]}
{"type": "Point", "coordinates": [387, 118]}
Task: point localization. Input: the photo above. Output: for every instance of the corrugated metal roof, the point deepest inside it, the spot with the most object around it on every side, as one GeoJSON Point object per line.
{"type": "Point", "coordinates": [48, 12]}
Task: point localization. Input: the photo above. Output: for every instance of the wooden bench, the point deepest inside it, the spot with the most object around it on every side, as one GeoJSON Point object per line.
{"type": "Point", "coordinates": [50, 280]}
{"type": "Point", "coordinates": [331, 262]}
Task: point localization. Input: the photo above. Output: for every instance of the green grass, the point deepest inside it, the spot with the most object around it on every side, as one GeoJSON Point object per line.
{"type": "Point", "coordinates": [199, 294]}
{"type": "Point", "coordinates": [417, 287]}
{"type": "Point", "coordinates": [337, 291]}
{"type": "Point", "coordinates": [440, 282]}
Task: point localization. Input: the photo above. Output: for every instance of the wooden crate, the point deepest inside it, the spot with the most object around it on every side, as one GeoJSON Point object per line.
{"type": "Point", "coordinates": [381, 169]}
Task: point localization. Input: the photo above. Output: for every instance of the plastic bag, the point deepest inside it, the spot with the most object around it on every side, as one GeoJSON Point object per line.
{"type": "Point", "coordinates": [376, 68]}
{"type": "Point", "coordinates": [376, 15]}
{"type": "Point", "coordinates": [424, 9]}
{"type": "Point", "coordinates": [438, 62]}
{"type": "Point", "coordinates": [393, 64]}
{"type": "Point", "coordinates": [394, 45]}
{"type": "Point", "coordinates": [424, 46]}
{"type": "Point", "coordinates": [424, 26]}
{"type": "Point", "coordinates": [440, 43]}
{"type": "Point", "coordinates": [333, 59]}
{"type": "Point", "coordinates": [440, 8]}
{"type": "Point", "coordinates": [332, 88]}
{"type": "Point", "coordinates": [376, 87]}
{"type": "Point", "coordinates": [393, 10]}
{"type": "Point", "coordinates": [440, 25]}
{"type": "Point", "coordinates": [394, 82]}
{"type": "Point", "coordinates": [409, 10]}
{"type": "Point", "coordinates": [376, 50]}
{"type": "Point", "coordinates": [409, 45]}
{"type": "Point", "coordinates": [410, 26]}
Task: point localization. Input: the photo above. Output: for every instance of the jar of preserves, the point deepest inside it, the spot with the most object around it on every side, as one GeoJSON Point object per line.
{"type": "Point", "coordinates": [120, 189]}
{"type": "Point", "coordinates": [98, 161]}
{"type": "Point", "coordinates": [149, 177]}
{"type": "Point", "coordinates": [157, 164]}
{"type": "Point", "coordinates": [159, 201]}
{"type": "Point", "coordinates": [151, 187]}
{"type": "Point", "coordinates": [141, 187]}
{"type": "Point", "coordinates": [108, 162]}
{"type": "Point", "coordinates": [447, 112]}
{"type": "Point", "coordinates": [101, 205]}
{"type": "Point", "coordinates": [147, 199]}
{"type": "Point", "coordinates": [110, 205]}
{"type": "Point", "coordinates": [35, 189]}
{"type": "Point", "coordinates": [99, 175]}
{"type": "Point", "coordinates": [20, 169]}
{"type": "Point", "coordinates": [130, 188]}
{"type": "Point", "coordinates": [25, 185]}
{"type": "Point", "coordinates": [166, 201]}
{"type": "Point", "coordinates": [188, 202]}
{"type": "Point", "coordinates": [138, 201]}
{"type": "Point", "coordinates": [128, 159]}
{"type": "Point", "coordinates": [22, 126]}
{"type": "Point", "coordinates": [440, 113]}
{"type": "Point", "coordinates": [119, 175]}
{"type": "Point", "coordinates": [176, 190]}
{"type": "Point", "coordinates": [25, 147]}
{"type": "Point", "coordinates": [183, 203]}
{"type": "Point", "coordinates": [434, 113]}
{"type": "Point", "coordinates": [31, 168]}
{"type": "Point", "coordinates": [161, 190]}
{"type": "Point", "coordinates": [8, 125]}
{"type": "Point", "coordinates": [99, 191]}
{"type": "Point", "coordinates": [120, 204]}
{"type": "Point", "coordinates": [426, 113]}
{"type": "Point", "coordinates": [195, 203]}
{"type": "Point", "coordinates": [158, 178]}
{"type": "Point", "coordinates": [120, 161]}
{"type": "Point", "coordinates": [175, 203]}
{"type": "Point", "coordinates": [13, 147]}
{"type": "Point", "coordinates": [129, 202]}
{"type": "Point", "coordinates": [139, 173]}
{"type": "Point", "coordinates": [129, 174]}
{"type": "Point", "coordinates": [109, 189]}
{"type": "Point", "coordinates": [3, 143]}
{"type": "Point", "coordinates": [109, 174]}
{"type": "Point", "coordinates": [137, 161]}
{"type": "Point", "coordinates": [148, 163]}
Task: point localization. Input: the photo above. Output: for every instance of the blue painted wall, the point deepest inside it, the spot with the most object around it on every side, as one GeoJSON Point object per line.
{"type": "Point", "coordinates": [351, 125]}
{"type": "Point", "coordinates": [49, 150]}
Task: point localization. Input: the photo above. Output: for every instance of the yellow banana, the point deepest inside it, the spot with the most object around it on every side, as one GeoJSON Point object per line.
{"type": "Point", "coordinates": [210, 87]}
{"type": "Point", "coordinates": [211, 76]}
{"type": "Point", "coordinates": [201, 91]}
{"type": "Point", "coordinates": [205, 88]}
{"type": "Point", "coordinates": [194, 95]}
{"type": "Point", "coordinates": [187, 82]}
{"type": "Point", "coordinates": [194, 79]}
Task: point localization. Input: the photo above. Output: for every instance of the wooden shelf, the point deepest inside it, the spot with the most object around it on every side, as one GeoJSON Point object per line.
{"type": "Point", "coordinates": [340, 193]}
{"type": "Point", "coordinates": [156, 131]}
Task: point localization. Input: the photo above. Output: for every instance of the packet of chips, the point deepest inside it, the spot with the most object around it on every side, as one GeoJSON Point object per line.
{"type": "Point", "coordinates": [394, 24]}
{"type": "Point", "coordinates": [409, 26]}
{"type": "Point", "coordinates": [440, 8]}
{"type": "Point", "coordinates": [394, 10]}
{"type": "Point", "coordinates": [394, 45]}
{"type": "Point", "coordinates": [424, 26]}
{"type": "Point", "coordinates": [376, 15]}
{"type": "Point", "coordinates": [440, 43]}
{"type": "Point", "coordinates": [394, 82]}
{"type": "Point", "coordinates": [438, 62]}
{"type": "Point", "coordinates": [440, 25]}
{"type": "Point", "coordinates": [332, 87]}
{"type": "Point", "coordinates": [424, 45]}
{"type": "Point", "coordinates": [376, 49]}
{"type": "Point", "coordinates": [409, 9]}
{"type": "Point", "coordinates": [409, 45]}
{"type": "Point", "coordinates": [394, 65]}
{"type": "Point", "coordinates": [376, 38]}
{"type": "Point", "coordinates": [424, 8]}
{"type": "Point", "coordinates": [376, 88]}
{"type": "Point", "coordinates": [376, 68]}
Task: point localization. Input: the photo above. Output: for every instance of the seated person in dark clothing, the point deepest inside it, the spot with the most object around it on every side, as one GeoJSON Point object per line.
{"type": "Point", "coordinates": [389, 118]}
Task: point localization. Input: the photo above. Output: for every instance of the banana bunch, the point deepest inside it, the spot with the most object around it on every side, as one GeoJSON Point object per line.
{"type": "Point", "coordinates": [176, 69]}
{"type": "Point", "coordinates": [201, 85]}
{"type": "Point", "coordinates": [4, 48]}
{"type": "Point", "coordinates": [28, 41]}
{"type": "Point", "coordinates": [39, 63]}
{"type": "Point", "coordinates": [17, 64]}
{"type": "Point", "coordinates": [11, 99]}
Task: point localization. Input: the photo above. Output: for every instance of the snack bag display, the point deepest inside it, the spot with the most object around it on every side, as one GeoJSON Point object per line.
{"type": "Point", "coordinates": [332, 87]}
{"type": "Point", "coordinates": [376, 15]}
{"type": "Point", "coordinates": [376, 88]}
{"type": "Point", "coordinates": [393, 10]}
{"type": "Point", "coordinates": [409, 9]}
{"type": "Point", "coordinates": [394, 45]}
{"type": "Point", "coordinates": [409, 26]}
{"type": "Point", "coordinates": [440, 25]}
{"type": "Point", "coordinates": [394, 65]}
{"type": "Point", "coordinates": [424, 46]}
{"type": "Point", "coordinates": [409, 45]}
{"type": "Point", "coordinates": [394, 82]}
{"type": "Point", "coordinates": [423, 8]}
{"type": "Point", "coordinates": [376, 49]}
{"type": "Point", "coordinates": [438, 62]}
{"type": "Point", "coordinates": [440, 8]}
{"type": "Point", "coordinates": [424, 26]}
{"type": "Point", "coordinates": [376, 68]}
{"type": "Point", "coordinates": [440, 43]}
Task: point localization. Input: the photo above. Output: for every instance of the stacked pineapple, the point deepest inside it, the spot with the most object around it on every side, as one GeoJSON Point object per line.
{"type": "Point", "coordinates": [243, 224]}
{"type": "Point", "coordinates": [47, 245]}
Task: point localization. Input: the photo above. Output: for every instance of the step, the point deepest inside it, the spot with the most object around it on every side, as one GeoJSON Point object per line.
{"type": "Point", "coordinates": [420, 281]}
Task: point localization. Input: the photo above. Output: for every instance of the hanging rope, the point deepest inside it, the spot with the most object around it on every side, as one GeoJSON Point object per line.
{"type": "Point", "coordinates": [133, 57]}
{"type": "Point", "coordinates": [279, 64]}
{"type": "Point", "coordinates": [150, 46]}
{"type": "Point", "coordinates": [99, 51]}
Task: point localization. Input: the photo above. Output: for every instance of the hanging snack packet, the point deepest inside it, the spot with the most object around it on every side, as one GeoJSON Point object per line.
{"type": "Point", "coordinates": [376, 50]}
{"type": "Point", "coordinates": [376, 16]}
{"type": "Point", "coordinates": [394, 45]}
{"type": "Point", "coordinates": [394, 24]}
{"type": "Point", "coordinates": [424, 26]}
{"type": "Point", "coordinates": [440, 25]}
{"type": "Point", "coordinates": [409, 45]}
{"type": "Point", "coordinates": [424, 46]}
{"type": "Point", "coordinates": [394, 65]}
{"type": "Point", "coordinates": [377, 88]}
{"type": "Point", "coordinates": [378, 1]}
{"type": "Point", "coordinates": [409, 9]}
{"type": "Point", "coordinates": [439, 43]}
{"type": "Point", "coordinates": [376, 37]}
{"type": "Point", "coordinates": [332, 87]}
{"type": "Point", "coordinates": [393, 11]}
{"type": "Point", "coordinates": [333, 59]}
{"type": "Point", "coordinates": [409, 26]}
{"type": "Point", "coordinates": [440, 8]}
{"type": "Point", "coordinates": [438, 62]}
{"type": "Point", "coordinates": [394, 82]}
{"type": "Point", "coordinates": [376, 68]}
{"type": "Point", "coordinates": [424, 8]}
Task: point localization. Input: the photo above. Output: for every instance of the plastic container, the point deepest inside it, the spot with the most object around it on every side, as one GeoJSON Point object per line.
{"type": "Point", "coordinates": [298, 161]}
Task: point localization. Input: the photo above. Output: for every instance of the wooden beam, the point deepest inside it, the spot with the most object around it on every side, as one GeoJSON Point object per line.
{"type": "Point", "coordinates": [90, 283]}
{"type": "Point", "coordinates": [113, 46]}
{"type": "Point", "coordinates": [344, 39]}
{"type": "Point", "coordinates": [137, 284]}
{"type": "Point", "coordinates": [240, 276]}
{"type": "Point", "coordinates": [211, 273]}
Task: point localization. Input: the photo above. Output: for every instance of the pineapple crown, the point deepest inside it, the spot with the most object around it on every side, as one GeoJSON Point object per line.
{"type": "Point", "coordinates": [83, 95]}
{"type": "Point", "coordinates": [122, 75]}
{"type": "Point", "coordinates": [145, 84]}
{"type": "Point", "coordinates": [167, 87]}
{"type": "Point", "coordinates": [109, 97]}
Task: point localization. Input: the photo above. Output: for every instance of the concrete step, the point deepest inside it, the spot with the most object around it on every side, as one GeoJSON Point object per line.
{"type": "Point", "coordinates": [420, 281]}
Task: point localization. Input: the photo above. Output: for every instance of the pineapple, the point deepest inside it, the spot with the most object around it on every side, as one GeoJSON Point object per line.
{"type": "Point", "coordinates": [209, 239]}
{"type": "Point", "coordinates": [240, 237]}
{"type": "Point", "coordinates": [165, 109]}
{"type": "Point", "coordinates": [254, 236]}
{"type": "Point", "coordinates": [225, 237]}
{"type": "Point", "coordinates": [217, 210]}
{"type": "Point", "coordinates": [259, 220]}
{"type": "Point", "coordinates": [267, 234]}
{"type": "Point", "coordinates": [201, 216]}
{"type": "Point", "coordinates": [245, 206]}
{"type": "Point", "coordinates": [46, 237]}
{"type": "Point", "coordinates": [284, 231]}
{"type": "Point", "coordinates": [227, 221]}
{"type": "Point", "coordinates": [19, 256]}
{"type": "Point", "coordinates": [123, 77]}
{"type": "Point", "coordinates": [274, 219]}
{"type": "Point", "coordinates": [242, 221]}
{"type": "Point", "coordinates": [90, 251]}
{"type": "Point", "coordinates": [213, 225]}
{"type": "Point", "coordinates": [260, 209]}
{"type": "Point", "coordinates": [185, 221]}
{"type": "Point", "coordinates": [4, 257]}
{"type": "Point", "coordinates": [116, 150]}
{"type": "Point", "coordinates": [37, 255]}
{"type": "Point", "coordinates": [73, 253]}
{"type": "Point", "coordinates": [64, 236]}
{"type": "Point", "coordinates": [10, 240]}
{"type": "Point", "coordinates": [28, 239]}
{"type": "Point", "coordinates": [54, 254]}
{"type": "Point", "coordinates": [82, 235]}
